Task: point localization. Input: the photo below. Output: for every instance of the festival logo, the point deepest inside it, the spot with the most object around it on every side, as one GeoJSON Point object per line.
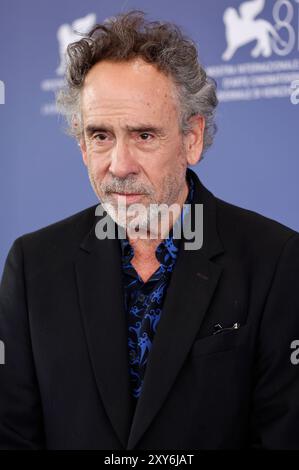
{"type": "Point", "coordinates": [242, 27]}
{"type": "Point", "coordinates": [270, 68]}
{"type": "Point", "coordinates": [66, 34]}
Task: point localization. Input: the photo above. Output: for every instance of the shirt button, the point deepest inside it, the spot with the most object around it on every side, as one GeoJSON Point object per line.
{"type": "Point", "coordinates": [141, 297]}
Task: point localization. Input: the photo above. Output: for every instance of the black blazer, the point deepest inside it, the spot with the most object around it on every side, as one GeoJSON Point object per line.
{"type": "Point", "coordinates": [65, 381]}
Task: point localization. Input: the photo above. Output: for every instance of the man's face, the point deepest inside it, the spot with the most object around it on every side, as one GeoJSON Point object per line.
{"type": "Point", "coordinates": [132, 145]}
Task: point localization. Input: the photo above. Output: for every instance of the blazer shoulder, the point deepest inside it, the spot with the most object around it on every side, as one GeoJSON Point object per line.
{"type": "Point", "coordinates": [76, 224]}
{"type": "Point", "coordinates": [59, 239]}
{"type": "Point", "coordinates": [242, 225]}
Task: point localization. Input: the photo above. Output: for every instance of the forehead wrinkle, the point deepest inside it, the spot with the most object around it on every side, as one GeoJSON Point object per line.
{"type": "Point", "coordinates": [144, 111]}
{"type": "Point", "coordinates": [145, 83]}
{"type": "Point", "coordinates": [130, 116]}
{"type": "Point", "coordinates": [157, 98]}
{"type": "Point", "coordinates": [134, 110]}
{"type": "Point", "coordinates": [122, 120]}
{"type": "Point", "coordinates": [122, 104]}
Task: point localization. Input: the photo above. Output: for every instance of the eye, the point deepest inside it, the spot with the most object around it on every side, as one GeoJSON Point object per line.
{"type": "Point", "coordinates": [146, 136]}
{"type": "Point", "coordinates": [100, 137]}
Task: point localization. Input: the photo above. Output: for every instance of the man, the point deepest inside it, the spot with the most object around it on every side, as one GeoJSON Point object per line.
{"type": "Point", "coordinates": [140, 341]}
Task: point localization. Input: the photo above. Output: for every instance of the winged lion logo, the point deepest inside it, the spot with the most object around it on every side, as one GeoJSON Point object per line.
{"type": "Point", "coordinates": [242, 27]}
{"type": "Point", "coordinates": [69, 33]}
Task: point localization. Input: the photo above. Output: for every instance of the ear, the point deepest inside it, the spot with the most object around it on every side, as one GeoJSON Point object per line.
{"type": "Point", "coordinates": [82, 145]}
{"type": "Point", "coordinates": [194, 139]}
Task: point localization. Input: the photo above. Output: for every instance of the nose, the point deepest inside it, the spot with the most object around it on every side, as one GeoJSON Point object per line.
{"type": "Point", "coordinates": [122, 161]}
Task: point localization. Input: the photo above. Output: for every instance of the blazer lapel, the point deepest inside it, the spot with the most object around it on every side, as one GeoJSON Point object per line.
{"type": "Point", "coordinates": [189, 294]}
{"type": "Point", "coordinates": [98, 271]}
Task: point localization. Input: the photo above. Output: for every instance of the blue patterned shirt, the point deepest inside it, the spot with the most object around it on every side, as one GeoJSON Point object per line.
{"type": "Point", "coordinates": [144, 300]}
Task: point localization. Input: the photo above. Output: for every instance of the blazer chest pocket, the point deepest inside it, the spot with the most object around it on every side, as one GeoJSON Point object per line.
{"type": "Point", "coordinates": [221, 342]}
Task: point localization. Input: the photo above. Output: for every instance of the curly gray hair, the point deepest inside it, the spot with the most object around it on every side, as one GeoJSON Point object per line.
{"type": "Point", "coordinates": [128, 36]}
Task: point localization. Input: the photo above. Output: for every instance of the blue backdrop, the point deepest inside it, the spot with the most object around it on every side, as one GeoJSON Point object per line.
{"type": "Point", "coordinates": [252, 50]}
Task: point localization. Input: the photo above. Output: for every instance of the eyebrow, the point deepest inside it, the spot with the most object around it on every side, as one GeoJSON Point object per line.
{"type": "Point", "coordinates": [92, 128]}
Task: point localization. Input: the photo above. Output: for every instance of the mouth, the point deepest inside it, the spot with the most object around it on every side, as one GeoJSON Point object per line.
{"type": "Point", "coordinates": [129, 197]}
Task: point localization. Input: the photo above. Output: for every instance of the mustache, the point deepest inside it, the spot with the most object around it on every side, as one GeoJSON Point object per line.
{"type": "Point", "coordinates": [125, 187]}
